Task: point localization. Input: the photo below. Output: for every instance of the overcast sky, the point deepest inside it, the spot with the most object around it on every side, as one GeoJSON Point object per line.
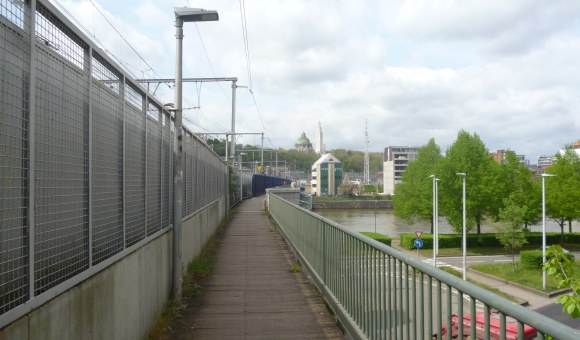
{"type": "Point", "coordinates": [506, 70]}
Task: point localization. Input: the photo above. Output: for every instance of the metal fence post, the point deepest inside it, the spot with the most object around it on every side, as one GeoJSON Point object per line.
{"type": "Point", "coordinates": [91, 126]}
{"type": "Point", "coordinates": [31, 145]}
{"type": "Point", "coordinates": [145, 103]}
{"type": "Point", "coordinates": [122, 95]}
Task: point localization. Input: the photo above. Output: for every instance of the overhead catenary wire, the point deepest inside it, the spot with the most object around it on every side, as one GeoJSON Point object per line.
{"type": "Point", "coordinates": [246, 45]}
{"type": "Point", "coordinates": [213, 72]}
{"type": "Point", "coordinates": [126, 64]}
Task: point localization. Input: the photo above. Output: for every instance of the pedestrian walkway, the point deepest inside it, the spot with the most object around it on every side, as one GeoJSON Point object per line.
{"type": "Point", "coordinates": [251, 293]}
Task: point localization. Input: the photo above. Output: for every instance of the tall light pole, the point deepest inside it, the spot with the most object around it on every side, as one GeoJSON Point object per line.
{"type": "Point", "coordinates": [544, 226]}
{"type": "Point", "coordinates": [182, 14]}
{"type": "Point", "coordinates": [434, 229]}
{"type": "Point", "coordinates": [464, 174]}
{"type": "Point", "coordinates": [437, 216]}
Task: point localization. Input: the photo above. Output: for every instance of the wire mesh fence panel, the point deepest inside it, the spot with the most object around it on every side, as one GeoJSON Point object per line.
{"type": "Point", "coordinates": [135, 167]}
{"type": "Point", "coordinates": [101, 158]}
{"type": "Point", "coordinates": [166, 175]}
{"type": "Point", "coordinates": [171, 166]}
{"type": "Point", "coordinates": [193, 178]}
{"type": "Point", "coordinates": [153, 170]}
{"type": "Point", "coordinates": [14, 155]}
{"type": "Point", "coordinates": [107, 161]}
{"type": "Point", "coordinates": [202, 173]}
{"type": "Point", "coordinates": [188, 203]}
{"type": "Point", "coordinates": [62, 135]}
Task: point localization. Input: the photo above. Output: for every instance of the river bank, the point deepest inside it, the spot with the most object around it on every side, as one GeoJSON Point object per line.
{"type": "Point", "coordinates": [358, 204]}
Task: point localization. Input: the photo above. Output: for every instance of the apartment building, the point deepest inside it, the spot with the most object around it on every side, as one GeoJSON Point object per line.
{"type": "Point", "coordinates": [395, 160]}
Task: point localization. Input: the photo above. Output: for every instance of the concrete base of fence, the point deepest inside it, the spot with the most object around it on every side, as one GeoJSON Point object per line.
{"type": "Point", "coordinates": [352, 205]}
{"type": "Point", "coordinates": [124, 300]}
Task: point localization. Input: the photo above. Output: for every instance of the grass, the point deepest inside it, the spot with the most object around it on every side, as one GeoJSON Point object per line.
{"type": "Point", "coordinates": [350, 198]}
{"type": "Point", "coordinates": [198, 269]}
{"type": "Point", "coordinates": [486, 250]}
{"type": "Point", "coordinates": [524, 275]}
{"type": "Point", "coordinates": [169, 312]}
{"type": "Point", "coordinates": [295, 268]}
{"type": "Point", "coordinates": [482, 285]}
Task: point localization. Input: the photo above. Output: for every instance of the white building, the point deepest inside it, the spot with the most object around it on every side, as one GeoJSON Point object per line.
{"type": "Point", "coordinates": [326, 175]}
{"type": "Point", "coordinates": [545, 161]}
{"type": "Point", "coordinates": [319, 144]}
{"type": "Point", "coordinates": [395, 160]}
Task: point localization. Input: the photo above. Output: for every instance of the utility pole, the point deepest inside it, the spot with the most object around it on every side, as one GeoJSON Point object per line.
{"type": "Point", "coordinates": [366, 179]}
{"type": "Point", "coordinates": [234, 86]}
{"type": "Point", "coordinates": [276, 163]}
{"type": "Point", "coordinates": [262, 153]}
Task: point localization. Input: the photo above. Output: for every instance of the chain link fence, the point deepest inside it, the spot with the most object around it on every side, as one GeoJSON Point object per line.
{"type": "Point", "coordinates": [86, 159]}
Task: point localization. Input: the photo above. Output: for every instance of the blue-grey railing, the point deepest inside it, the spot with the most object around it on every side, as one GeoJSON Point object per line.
{"type": "Point", "coordinates": [378, 292]}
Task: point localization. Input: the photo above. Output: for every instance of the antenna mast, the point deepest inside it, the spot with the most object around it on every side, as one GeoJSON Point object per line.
{"type": "Point", "coordinates": [366, 179]}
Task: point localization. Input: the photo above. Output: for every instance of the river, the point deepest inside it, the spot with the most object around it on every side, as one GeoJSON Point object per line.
{"type": "Point", "coordinates": [388, 224]}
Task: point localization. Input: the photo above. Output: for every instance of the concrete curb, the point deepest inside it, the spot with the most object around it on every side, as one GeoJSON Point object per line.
{"type": "Point", "coordinates": [522, 287]}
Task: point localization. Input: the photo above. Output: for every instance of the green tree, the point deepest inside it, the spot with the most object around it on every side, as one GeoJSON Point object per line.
{"type": "Point", "coordinates": [514, 180]}
{"type": "Point", "coordinates": [413, 199]}
{"type": "Point", "coordinates": [563, 268]}
{"type": "Point", "coordinates": [509, 231]}
{"type": "Point", "coordinates": [563, 191]}
{"type": "Point", "coordinates": [467, 154]}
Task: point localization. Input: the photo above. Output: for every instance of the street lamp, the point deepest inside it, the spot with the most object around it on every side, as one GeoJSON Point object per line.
{"type": "Point", "coordinates": [436, 243]}
{"type": "Point", "coordinates": [182, 14]}
{"type": "Point", "coordinates": [544, 226]}
{"type": "Point", "coordinates": [464, 174]}
{"type": "Point", "coordinates": [434, 228]}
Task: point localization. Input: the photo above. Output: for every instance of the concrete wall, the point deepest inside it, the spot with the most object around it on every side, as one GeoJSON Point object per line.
{"type": "Point", "coordinates": [352, 205]}
{"type": "Point", "coordinates": [123, 301]}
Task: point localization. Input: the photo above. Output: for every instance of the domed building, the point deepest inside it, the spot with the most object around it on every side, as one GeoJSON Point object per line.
{"type": "Point", "coordinates": [303, 144]}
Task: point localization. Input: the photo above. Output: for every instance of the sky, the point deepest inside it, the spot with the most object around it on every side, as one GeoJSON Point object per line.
{"type": "Point", "coordinates": [419, 69]}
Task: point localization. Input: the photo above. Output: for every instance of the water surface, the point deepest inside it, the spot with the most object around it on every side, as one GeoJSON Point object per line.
{"type": "Point", "coordinates": [388, 224]}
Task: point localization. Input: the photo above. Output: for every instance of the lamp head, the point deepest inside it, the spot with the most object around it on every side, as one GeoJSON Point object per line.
{"type": "Point", "coordinates": [461, 174]}
{"type": "Point", "coordinates": [188, 14]}
{"type": "Point", "coordinates": [432, 175]}
{"type": "Point", "coordinates": [548, 175]}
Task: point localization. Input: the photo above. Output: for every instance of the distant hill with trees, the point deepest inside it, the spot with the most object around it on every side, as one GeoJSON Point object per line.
{"type": "Point", "coordinates": [352, 161]}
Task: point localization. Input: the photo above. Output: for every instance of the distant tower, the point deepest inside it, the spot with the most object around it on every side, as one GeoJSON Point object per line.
{"type": "Point", "coordinates": [366, 179]}
{"type": "Point", "coordinates": [319, 145]}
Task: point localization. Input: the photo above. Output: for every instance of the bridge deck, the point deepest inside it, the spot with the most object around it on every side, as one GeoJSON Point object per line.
{"type": "Point", "coordinates": [251, 293]}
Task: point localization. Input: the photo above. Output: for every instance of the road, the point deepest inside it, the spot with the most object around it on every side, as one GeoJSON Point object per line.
{"type": "Point", "coordinates": [554, 312]}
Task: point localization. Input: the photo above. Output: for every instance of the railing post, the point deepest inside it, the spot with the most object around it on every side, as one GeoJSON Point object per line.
{"type": "Point", "coordinates": [324, 254]}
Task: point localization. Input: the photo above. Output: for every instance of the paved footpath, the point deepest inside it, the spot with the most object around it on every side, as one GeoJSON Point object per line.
{"type": "Point", "coordinates": [251, 293]}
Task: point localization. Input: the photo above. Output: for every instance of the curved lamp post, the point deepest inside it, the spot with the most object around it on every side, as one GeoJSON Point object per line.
{"type": "Point", "coordinates": [182, 14]}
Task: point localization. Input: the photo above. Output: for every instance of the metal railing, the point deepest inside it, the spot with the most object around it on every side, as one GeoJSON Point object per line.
{"type": "Point", "coordinates": [86, 159]}
{"type": "Point", "coordinates": [378, 292]}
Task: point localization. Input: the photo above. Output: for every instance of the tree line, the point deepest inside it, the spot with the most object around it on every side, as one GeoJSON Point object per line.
{"type": "Point", "coordinates": [492, 189]}
{"type": "Point", "coordinates": [352, 161]}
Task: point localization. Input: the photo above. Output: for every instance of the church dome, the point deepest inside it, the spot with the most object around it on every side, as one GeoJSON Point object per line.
{"type": "Point", "coordinates": [303, 139]}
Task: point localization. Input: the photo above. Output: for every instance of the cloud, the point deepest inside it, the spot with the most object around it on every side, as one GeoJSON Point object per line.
{"type": "Point", "coordinates": [506, 70]}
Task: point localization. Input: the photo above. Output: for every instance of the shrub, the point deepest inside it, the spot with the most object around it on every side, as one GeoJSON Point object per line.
{"type": "Point", "coordinates": [482, 240]}
{"type": "Point", "coordinates": [533, 258]}
{"type": "Point", "coordinates": [378, 237]}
